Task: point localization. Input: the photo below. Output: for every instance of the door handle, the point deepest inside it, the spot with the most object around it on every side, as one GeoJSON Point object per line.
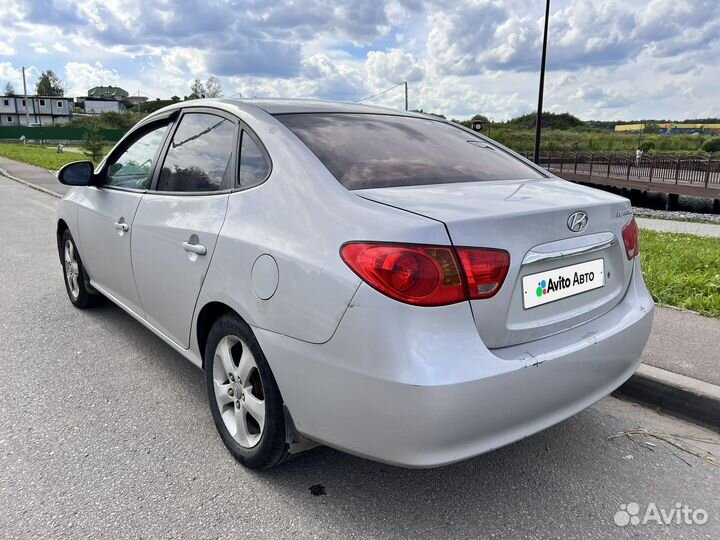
{"type": "Point", "coordinates": [195, 248]}
{"type": "Point", "coordinates": [122, 226]}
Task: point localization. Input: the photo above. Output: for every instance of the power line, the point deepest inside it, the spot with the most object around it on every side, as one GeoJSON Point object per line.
{"type": "Point", "coordinates": [380, 93]}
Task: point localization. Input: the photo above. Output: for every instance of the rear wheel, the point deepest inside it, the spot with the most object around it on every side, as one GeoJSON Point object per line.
{"type": "Point", "coordinates": [76, 282]}
{"type": "Point", "coordinates": [244, 398]}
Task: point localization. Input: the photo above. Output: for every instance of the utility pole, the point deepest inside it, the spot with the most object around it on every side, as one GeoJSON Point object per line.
{"type": "Point", "coordinates": [406, 99]}
{"type": "Point", "coordinates": [27, 114]}
{"type": "Point", "coordinates": [538, 119]}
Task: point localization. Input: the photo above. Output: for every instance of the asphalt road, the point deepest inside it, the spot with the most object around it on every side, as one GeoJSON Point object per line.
{"type": "Point", "coordinates": [105, 433]}
{"type": "Point", "coordinates": [35, 175]}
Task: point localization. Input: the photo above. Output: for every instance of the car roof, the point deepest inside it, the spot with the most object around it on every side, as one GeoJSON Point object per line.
{"type": "Point", "coordinates": [273, 107]}
{"type": "Point", "coordinates": [291, 106]}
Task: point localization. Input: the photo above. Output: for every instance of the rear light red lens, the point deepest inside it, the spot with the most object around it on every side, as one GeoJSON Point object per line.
{"type": "Point", "coordinates": [631, 238]}
{"type": "Point", "coordinates": [419, 275]}
{"type": "Point", "coordinates": [428, 275]}
{"type": "Point", "coordinates": [485, 270]}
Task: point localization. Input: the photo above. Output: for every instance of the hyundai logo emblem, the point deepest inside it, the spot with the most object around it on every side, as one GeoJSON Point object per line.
{"type": "Point", "coordinates": [577, 221]}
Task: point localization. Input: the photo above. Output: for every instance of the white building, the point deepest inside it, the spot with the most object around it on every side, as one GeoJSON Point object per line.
{"type": "Point", "coordinates": [100, 105]}
{"type": "Point", "coordinates": [41, 110]}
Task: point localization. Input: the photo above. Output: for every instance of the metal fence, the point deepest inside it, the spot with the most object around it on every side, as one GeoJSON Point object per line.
{"type": "Point", "coordinates": [60, 134]}
{"type": "Point", "coordinates": [692, 169]}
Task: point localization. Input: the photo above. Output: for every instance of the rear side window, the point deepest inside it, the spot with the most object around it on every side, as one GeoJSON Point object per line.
{"type": "Point", "coordinates": [254, 168]}
{"type": "Point", "coordinates": [200, 157]}
{"type": "Point", "coordinates": [372, 151]}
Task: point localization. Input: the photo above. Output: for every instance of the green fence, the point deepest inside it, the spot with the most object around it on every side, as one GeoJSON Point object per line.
{"type": "Point", "coordinates": [14, 133]}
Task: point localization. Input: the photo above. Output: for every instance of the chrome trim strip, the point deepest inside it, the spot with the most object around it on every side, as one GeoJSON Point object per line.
{"type": "Point", "coordinates": [605, 240]}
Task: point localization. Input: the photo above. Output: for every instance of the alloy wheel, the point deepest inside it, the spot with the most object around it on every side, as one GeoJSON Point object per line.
{"type": "Point", "coordinates": [238, 391]}
{"type": "Point", "coordinates": [72, 269]}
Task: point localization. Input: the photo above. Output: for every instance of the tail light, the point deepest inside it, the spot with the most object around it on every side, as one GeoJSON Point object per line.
{"type": "Point", "coordinates": [485, 270]}
{"type": "Point", "coordinates": [631, 238]}
{"type": "Point", "coordinates": [428, 275]}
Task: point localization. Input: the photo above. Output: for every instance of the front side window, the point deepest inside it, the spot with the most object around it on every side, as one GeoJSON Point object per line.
{"type": "Point", "coordinates": [60, 104]}
{"type": "Point", "coordinates": [373, 151]}
{"type": "Point", "coordinates": [254, 168]}
{"type": "Point", "coordinates": [42, 102]}
{"type": "Point", "coordinates": [133, 168]}
{"type": "Point", "coordinates": [200, 156]}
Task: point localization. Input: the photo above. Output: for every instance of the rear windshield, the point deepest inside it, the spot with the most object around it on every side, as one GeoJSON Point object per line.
{"type": "Point", "coordinates": [373, 151]}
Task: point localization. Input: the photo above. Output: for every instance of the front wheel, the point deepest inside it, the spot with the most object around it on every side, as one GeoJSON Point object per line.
{"type": "Point", "coordinates": [244, 398]}
{"type": "Point", "coordinates": [75, 276]}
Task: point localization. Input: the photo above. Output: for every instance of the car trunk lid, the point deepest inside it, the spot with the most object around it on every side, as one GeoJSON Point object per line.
{"type": "Point", "coordinates": [530, 219]}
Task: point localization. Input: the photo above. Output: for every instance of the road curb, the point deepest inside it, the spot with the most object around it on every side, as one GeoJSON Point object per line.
{"type": "Point", "coordinates": [6, 174]}
{"type": "Point", "coordinates": [675, 394]}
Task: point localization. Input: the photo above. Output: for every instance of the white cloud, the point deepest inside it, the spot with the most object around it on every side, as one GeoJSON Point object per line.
{"type": "Point", "coordinates": [39, 48]}
{"type": "Point", "coordinates": [80, 77]}
{"type": "Point", "coordinates": [6, 50]}
{"type": "Point", "coordinates": [607, 59]}
{"type": "Point", "coordinates": [392, 67]}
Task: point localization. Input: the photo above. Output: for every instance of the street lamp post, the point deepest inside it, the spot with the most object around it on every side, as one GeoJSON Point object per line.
{"type": "Point", "coordinates": [538, 119]}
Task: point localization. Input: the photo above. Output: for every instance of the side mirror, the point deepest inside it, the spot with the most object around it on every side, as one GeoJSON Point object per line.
{"type": "Point", "coordinates": [78, 173]}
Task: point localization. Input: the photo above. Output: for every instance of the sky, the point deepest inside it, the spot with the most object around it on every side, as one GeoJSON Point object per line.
{"type": "Point", "coordinates": [607, 59]}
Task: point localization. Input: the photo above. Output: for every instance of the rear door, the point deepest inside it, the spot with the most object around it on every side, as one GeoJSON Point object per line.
{"type": "Point", "coordinates": [107, 210]}
{"type": "Point", "coordinates": [178, 221]}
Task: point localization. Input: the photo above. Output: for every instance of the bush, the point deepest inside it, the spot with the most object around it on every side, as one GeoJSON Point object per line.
{"type": "Point", "coordinates": [93, 143]}
{"type": "Point", "coordinates": [647, 146]}
{"type": "Point", "coordinates": [105, 120]}
{"type": "Point", "coordinates": [712, 145]}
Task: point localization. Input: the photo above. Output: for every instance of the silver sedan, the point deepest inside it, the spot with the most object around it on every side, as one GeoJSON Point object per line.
{"type": "Point", "coordinates": [385, 283]}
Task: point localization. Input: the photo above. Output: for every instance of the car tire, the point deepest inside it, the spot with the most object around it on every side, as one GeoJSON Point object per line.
{"type": "Point", "coordinates": [244, 399]}
{"type": "Point", "coordinates": [75, 276]}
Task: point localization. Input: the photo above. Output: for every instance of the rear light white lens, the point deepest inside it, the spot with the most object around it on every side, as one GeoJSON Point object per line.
{"type": "Point", "coordinates": [631, 238]}
{"type": "Point", "coordinates": [485, 270]}
{"type": "Point", "coordinates": [418, 275]}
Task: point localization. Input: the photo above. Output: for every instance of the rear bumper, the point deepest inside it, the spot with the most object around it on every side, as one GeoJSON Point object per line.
{"type": "Point", "coordinates": [416, 387]}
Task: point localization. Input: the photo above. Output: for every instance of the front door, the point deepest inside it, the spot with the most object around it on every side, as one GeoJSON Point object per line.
{"type": "Point", "coordinates": [106, 213]}
{"type": "Point", "coordinates": [177, 223]}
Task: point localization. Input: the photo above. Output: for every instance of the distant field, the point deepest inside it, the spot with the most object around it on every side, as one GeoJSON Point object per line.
{"type": "Point", "coordinates": [523, 140]}
{"type": "Point", "coordinates": [682, 270]}
{"type": "Point", "coordinates": [41, 156]}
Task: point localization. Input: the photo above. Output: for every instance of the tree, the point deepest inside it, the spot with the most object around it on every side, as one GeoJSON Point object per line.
{"type": "Point", "coordinates": [49, 84]}
{"type": "Point", "coordinates": [93, 142]}
{"type": "Point", "coordinates": [213, 88]}
{"type": "Point", "coordinates": [9, 89]}
{"type": "Point", "coordinates": [712, 145]}
{"type": "Point", "coordinates": [197, 90]}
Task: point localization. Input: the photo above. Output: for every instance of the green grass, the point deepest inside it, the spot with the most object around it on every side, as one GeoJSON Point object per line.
{"type": "Point", "coordinates": [41, 156]}
{"type": "Point", "coordinates": [682, 270]}
{"type": "Point", "coordinates": [583, 140]}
